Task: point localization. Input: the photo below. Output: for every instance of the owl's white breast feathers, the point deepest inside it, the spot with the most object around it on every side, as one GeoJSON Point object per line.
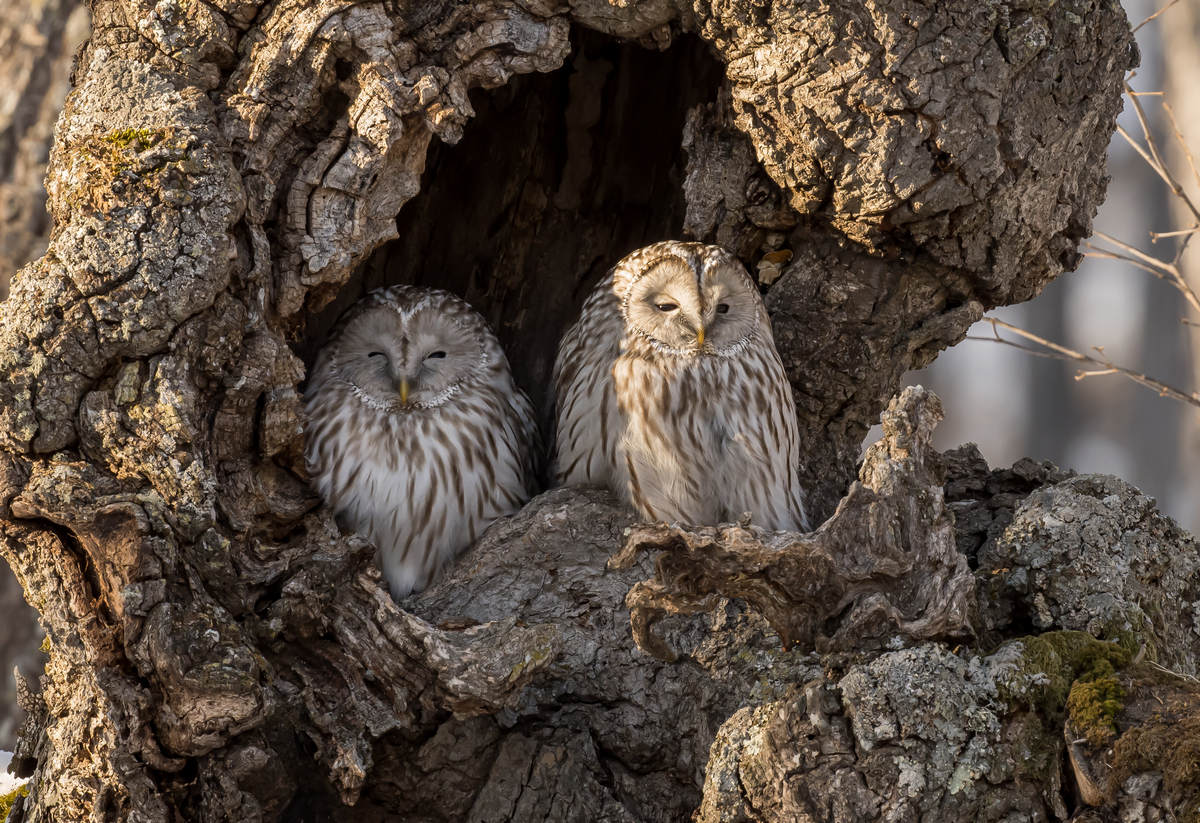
{"type": "Point", "coordinates": [688, 435]}
{"type": "Point", "coordinates": [421, 480]}
{"type": "Point", "coordinates": [422, 486]}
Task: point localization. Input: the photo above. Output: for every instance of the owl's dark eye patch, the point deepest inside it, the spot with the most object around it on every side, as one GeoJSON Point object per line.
{"type": "Point", "coordinates": [436, 354]}
{"type": "Point", "coordinates": [722, 308]}
{"type": "Point", "coordinates": [666, 306]}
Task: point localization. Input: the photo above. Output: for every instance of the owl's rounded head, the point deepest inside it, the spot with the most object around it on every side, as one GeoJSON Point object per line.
{"type": "Point", "coordinates": [688, 299]}
{"type": "Point", "coordinates": [405, 348]}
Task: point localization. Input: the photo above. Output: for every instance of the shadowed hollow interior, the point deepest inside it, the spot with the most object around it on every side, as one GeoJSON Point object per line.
{"type": "Point", "coordinates": [557, 177]}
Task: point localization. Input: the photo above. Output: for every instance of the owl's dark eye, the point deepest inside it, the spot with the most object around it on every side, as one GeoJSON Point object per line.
{"type": "Point", "coordinates": [666, 306]}
{"type": "Point", "coordinates": [437, 354]}
{"type": "Point", "coordinates": [722, 308]}
{"type": "Point", "coordinates": [377, 354]}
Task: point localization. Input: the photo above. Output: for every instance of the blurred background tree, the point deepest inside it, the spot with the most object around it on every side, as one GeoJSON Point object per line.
{"type": "Point", "coordinates": [37, 45]}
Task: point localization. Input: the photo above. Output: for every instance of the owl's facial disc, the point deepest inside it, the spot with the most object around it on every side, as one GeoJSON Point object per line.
{"type": "Point", "coordinates": [435, 363]}
{"type": "Point", "coordinates": [664, 304]}
{"type": "Point", "coordinates": [732, 305]}
{"type": "Point", "coordinates": [692, 315]}
{"type": "Point", "coordinates": [407, 361]}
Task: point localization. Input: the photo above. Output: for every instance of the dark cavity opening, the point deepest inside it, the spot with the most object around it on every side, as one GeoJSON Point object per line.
{"type": "Point", "coordinates": [557, 177]}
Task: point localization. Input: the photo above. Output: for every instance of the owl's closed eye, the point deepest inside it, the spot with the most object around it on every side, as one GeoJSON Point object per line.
{"type": "Point", "coordinates": [670, 391]}
{"type": "Point", "coordinates": [417, 435]}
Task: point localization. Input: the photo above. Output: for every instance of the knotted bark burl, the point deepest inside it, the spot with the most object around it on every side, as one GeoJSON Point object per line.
{"type": "Point", "coordinates": [884, 566]}
{"type": "Point", "coordinates": [225, 172]}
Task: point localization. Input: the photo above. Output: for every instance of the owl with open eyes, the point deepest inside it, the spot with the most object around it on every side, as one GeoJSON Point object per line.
{"type": "Point", "coordinates": [670, 391]}
{"type": "Point", "coordinates": [417, 435]}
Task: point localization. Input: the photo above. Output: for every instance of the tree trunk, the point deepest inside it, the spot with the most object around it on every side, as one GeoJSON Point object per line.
{"type": "Point", "coordinates": [225, 178]}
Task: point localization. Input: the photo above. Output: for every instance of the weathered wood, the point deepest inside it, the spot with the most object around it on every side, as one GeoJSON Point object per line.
{"type": "Point", "coordinates": [885, 566]}
{"type": "Point", "coordinates": [224, 171]}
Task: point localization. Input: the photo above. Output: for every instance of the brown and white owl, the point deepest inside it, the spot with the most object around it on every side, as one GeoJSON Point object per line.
{"type": "Point", "coordinates": [669, 391]}
{"type": "Point", "coordinates": [417, 435]}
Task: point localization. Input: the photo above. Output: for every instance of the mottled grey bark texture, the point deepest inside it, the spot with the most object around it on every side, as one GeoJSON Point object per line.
{"type": "Point", "coordinates": [226, 173]}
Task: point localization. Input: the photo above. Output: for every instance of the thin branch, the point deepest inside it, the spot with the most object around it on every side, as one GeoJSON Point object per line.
{"type": "Point", "coordinates": [1047, 355]}
{"type": "Point", "coordinates": [1104, 254]}
{"type": "Point", "coordinates": [1180, 675]}
{"type": "Point", "coordinates": [1187, 152]}
{"type": "Point", "coordinates": [1109, 256]}
{"type": "Point", "coordinates": [1146, 131]}
{"type": "Point", "coordinates": [1170, 272]}
{"type": "Point", "coordinates": [1156, 14]}
{"type": "Point", "coordinates": [1153, 158]}
{"type": "Point", "coordinates": [1149, 260]}
{"type": "Point", "coordinates": [1150, 161]}
{"type": "Point", "coordinates": [1187, 238]}
{"type": "Point", "coordinates": [1099, 362]}
{"type": "Point", "coordinates": [1155, 236]}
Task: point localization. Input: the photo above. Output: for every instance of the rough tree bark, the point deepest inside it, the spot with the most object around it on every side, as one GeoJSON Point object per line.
{"type": "Point", "coordinates": [226, 174]}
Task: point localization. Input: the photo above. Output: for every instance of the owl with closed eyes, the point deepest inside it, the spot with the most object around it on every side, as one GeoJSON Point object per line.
{"type": "Point", "coordinates": [417, 435]}
{"type": "Point", "coordinates": [670, 391]}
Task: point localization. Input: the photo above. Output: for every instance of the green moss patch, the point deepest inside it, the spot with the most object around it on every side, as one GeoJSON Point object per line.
{"type": "Point", "coordinates": [105, 170]}
{"type": "Point", "coordinates": [137, 139]}
{"type": "Point", "coordinates": [1094, 703]}
{"type": "Point", "coordinates": [1134, 717]}
{"type": "Point", "coordinates": [1072, 672]}
{"type": "Point", "coordinates": [7, 800]}
{"type": "Point", "coordinates": [1161, 724]}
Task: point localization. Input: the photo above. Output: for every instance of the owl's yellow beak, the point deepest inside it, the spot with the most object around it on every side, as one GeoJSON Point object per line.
{"type": "Point", "coordinates": [403, 389]}
{"type": "Point", "coordinates": [700, 337]}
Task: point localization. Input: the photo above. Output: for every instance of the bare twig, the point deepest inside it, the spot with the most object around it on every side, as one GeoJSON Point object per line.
{"type": "Point", "coordinates": [1136, 252]}
{"type": "Point", "coordinates": [1151, 154]}
{"type": "Point", "coordinates": [1180, 675]}
{"type": "Point", "coordinates": [1155, 236]}
{"type": "Point", "coordinates": [1187, 152]}
{"type": "Point", "coordinates": [1103, 254]}
{"type": "Point", "coordinates": [1147, 133]}
{"type": "Point", "coordinates": [1169, 272]}
{"type": "Point", "coordinates": [1100, 363]}
{"type": "Point", "coordinates": [1156, 14]}
{"type": "Point", "coordinates": [1097, 363]}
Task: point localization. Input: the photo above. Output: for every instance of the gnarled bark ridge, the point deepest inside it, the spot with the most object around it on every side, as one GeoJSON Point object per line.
{"type": "Point", "coordinates": [225, 172]}
{"type": "Point", "coordinates": [885, 566]}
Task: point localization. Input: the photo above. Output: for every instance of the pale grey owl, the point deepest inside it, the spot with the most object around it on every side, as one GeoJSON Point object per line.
{"type": "Point", "coordinates": [669, 391]}
{"type": "Point", "coordinates": [417, 435]}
